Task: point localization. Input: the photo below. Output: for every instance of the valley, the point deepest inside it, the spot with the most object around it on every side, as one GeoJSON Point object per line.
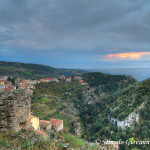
{"type": "Point", "coordinates": [94, 108]}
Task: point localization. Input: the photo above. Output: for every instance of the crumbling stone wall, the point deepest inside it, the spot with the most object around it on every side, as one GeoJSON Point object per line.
{"type": "Point", "coordinates": [15, 111]}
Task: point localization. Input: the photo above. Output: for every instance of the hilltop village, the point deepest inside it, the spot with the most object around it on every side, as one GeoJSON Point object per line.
{"type": "Point", "coordinates": [10, 84]}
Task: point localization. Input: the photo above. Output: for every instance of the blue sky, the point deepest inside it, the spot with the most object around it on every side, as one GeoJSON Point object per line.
{"type": "Point", "coordinates": [76, 34]}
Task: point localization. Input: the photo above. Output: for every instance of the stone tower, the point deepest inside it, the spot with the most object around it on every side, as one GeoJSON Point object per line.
{"type": "Point", "coordinates": [15, 111]}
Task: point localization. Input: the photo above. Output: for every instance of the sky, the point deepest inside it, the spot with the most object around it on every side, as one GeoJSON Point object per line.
{"type": "Point", "coordinates": [76, 33]}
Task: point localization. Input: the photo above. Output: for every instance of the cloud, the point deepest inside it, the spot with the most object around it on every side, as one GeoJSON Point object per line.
{"type": "Point", "coordinates": [88, 25]}
{"type": "Point", "coordinates": [126, 56]}
{"type": "Point", "coordinates": [88, 28]}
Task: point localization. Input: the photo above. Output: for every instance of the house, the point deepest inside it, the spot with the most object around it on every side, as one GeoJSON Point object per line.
{"type": "Point", "coordinates": [6, 86]}
{"type": "Point", "coordinates": [10, 88]}
{"type": "Point", "coordinates": [35, 122]}
{"type": "Point", "coordinates": [57, 124]}
{"type": "Point", "coordinates": [77, 78]}
{"type": "Point", "coordinates": [46, 80]}
{"type": "Point", "coordinates": [1, 89]}
{"type": "Point", "coordinates": [34, 81]}
{"type": "Point", "coordinates": [49, 79]}
{"type": "Point", "coordinates": [81, 81]}
{"type": "Point", "coordinates": [39, 81]}
{"type": "Point", "coordinates": [55, 79]}
{"type": "Point", "coordinates": [8, 83]}
{"type": "Point", "coordinates": [21, 87]}
{"type": "Point", "coordinates": [2, 82]}
{"type": "Point", "coordinates": [19, 83]}
{"type": "Point", "coordinates": [42, 80]}
{"type": "Point", "coordinates": [17, 80]}
{"type": "Point", "coordinates": [68, 79]}
{"type": "Point", "coordinates": [29, 91]}
{"type": "Point", "coordinates": [62, 77]}
{"type": "Point", "coordinates": [2, 78]}
{"type": "Point", "coordinates": [26, 81]}
{"type": "Point", "coordinates": [5, 77]}
{"type": "Point", "coordinates": [32, 87]}
{"type": "Point", "coordinates": [45, 125]}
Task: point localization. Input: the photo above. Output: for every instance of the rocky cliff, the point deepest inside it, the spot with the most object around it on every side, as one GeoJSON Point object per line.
{"type": "Point", "coordinates": [15, 111]}
{"type": "Point", "coordinates": [77, 129]}
{"type": "Point", "coordinates": [130, 119]}
{"type": "Point", "coordinates": [127, 122]}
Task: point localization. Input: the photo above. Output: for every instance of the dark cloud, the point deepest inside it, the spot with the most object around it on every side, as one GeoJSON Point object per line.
{"type": "Point", "coordinates": [99, 26]}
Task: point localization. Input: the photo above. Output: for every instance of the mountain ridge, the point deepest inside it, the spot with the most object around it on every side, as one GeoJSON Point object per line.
{"type": "Point", "coordinates": [30, 70]}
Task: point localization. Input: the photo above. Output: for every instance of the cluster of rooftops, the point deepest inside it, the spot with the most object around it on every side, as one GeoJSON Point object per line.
{"type": "Point", "coordinates": [53, 125]}
{"type": "Point", "coordinates": [28, 84]}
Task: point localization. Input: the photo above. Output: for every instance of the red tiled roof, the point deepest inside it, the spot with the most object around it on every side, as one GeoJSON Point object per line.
{"type": "Point", "coordinates": [44, 122]}
{"type": "Point", "coordinates": [1, 89]}
{"type": "Point", "coordinates": [41, 132]}
{"type": "Point", "coordinates": [55, 122]}
{"type": "Point", "coordinates": [81, 81]}
{"type": "Point", "coordinates": [48, 78]}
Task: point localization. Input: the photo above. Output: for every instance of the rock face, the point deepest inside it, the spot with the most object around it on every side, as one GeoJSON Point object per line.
{"type": "Point", "coordinates": [77, 129]}
{"type": "Point", "coordinates": [15, 111]}
{"type": "Point", "coordinates": [127, 122]}
{"type": "Point", "coordinates": [130, 120]}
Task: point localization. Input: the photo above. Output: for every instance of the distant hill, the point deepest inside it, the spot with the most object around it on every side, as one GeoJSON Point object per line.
{"type": "Point", "coordinates": [138, 73]}
{"type": "Point", "coordinates": [24, 70]}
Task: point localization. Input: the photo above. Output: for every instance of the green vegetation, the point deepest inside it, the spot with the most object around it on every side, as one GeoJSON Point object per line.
{"type": "Point", "coordinates": [30, 140]}
{"type": "Point", "coordinates": [31, 71]}
{"type": "Point", "coordinates": [57, 100]}
{"type": "Point", "coordinates": [92, 104]}
{"type": "Point", "coordinates": [26, 140]}
{"type": "Point", "coordinates": [108, 83]}
{"type": "Point", "coordinates": [74, 141]}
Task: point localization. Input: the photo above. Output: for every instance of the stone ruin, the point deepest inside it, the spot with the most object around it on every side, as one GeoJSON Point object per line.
{"type": "Point", "coordinates": [15, 111]}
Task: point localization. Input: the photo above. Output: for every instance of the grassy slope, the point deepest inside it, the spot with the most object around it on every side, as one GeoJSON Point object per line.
{"type": "Point", "coordinates": [30, 140]}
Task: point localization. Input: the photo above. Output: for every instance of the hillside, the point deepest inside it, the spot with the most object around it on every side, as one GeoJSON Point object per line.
{"type": "Point", "coordinates": [90, 106]}
{"type": "Point", "coordinates": [88, 110]}
{"type": "Point", "coordinates": [119, 105]}
{"type": "Point", "coordinates": [28, 71]}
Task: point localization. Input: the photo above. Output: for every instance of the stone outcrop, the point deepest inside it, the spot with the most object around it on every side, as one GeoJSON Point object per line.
{"type": "Point", "coordinates": [130, 119]}
{"type": "Point", "coordinates": [77, 129]}
{"type": "Point", "coordinates": [15, 111]}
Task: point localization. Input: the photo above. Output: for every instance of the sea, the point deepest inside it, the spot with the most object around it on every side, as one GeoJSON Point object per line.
{"type": "Point", "coordinates": [138, 73]}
